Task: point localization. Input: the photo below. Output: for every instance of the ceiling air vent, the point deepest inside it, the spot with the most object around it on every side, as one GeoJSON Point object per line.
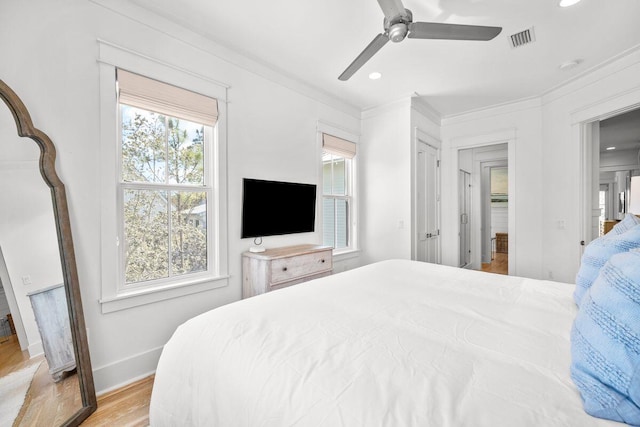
{"type": "Point", "coordinates": [523, 37]}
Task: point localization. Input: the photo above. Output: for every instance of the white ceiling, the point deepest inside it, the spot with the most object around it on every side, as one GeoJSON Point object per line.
{"type": "Point", "coordinates": [315, 40]}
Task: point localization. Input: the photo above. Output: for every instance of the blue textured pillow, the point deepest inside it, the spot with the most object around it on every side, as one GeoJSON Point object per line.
{"type": "Point", "coordinates": [605, 342]}
{"type": "Point", "coordinates": [629, 221]}
{"type": "Point", "coordinates": [598, 252]}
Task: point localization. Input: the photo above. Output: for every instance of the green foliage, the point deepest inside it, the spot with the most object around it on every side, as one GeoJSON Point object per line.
{"type": "Point", "coordinates": [165, 229]}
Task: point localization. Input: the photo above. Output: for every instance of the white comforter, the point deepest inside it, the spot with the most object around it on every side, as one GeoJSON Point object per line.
{"type": "Point", "coordinates": [396, 343]}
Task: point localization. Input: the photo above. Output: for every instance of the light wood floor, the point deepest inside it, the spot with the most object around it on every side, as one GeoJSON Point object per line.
{"type": "Point", "coordinates": [127, 406]}
{"type": "Point", "coordinates": [499, 264]}
{"type": "Point", "coordinates": [48, 403]}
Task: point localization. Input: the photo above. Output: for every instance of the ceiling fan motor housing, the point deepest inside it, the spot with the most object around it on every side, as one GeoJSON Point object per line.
{"type": "Point", "coordinates": [398, 27]}
{"type": "Point", "coordinates": [398, 32]}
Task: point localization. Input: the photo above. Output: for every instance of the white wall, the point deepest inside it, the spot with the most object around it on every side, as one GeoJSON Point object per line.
{"type": "Point", "coordinates": [385, 171]}
{"type": "Point", "coordinates": [519, 125]}
{"type": "Point", "coordinates": [28, 240]}
{"type": "Point", "coordinates": [27, 230]}
{"type": "Point", "coordinates": [612, 87]}
{"type": "Point", "coordinates": [547, 135]}
{"type": "Point", "coordinates": [271, 128]}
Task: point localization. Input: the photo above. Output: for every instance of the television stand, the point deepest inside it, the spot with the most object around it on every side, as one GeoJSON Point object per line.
{"type": "Point", "coordinates": [278, 268]}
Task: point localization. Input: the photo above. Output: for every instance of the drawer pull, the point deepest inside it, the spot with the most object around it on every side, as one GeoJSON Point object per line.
{"type": "Point", "coordinates": [322, 260]}
{"type": "Point", "coordinates": [284, 268]}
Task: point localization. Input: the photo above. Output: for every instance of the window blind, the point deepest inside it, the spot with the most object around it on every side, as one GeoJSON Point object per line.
{"type": "Point", "coordinates": [143, 92]}
{"type": "Point", "coordinates": [338, 146]}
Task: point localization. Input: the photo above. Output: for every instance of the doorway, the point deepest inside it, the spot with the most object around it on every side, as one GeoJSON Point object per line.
{"type": "Point", "coordinates": [483, 198]}
{"type": "Point", "coordinates": [611, 157]}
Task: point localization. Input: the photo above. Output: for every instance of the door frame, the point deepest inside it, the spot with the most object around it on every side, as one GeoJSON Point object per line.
{"type": "Point", "coordinates": [582, 125]}
{"type": "Point", "coordinates": [506, 136]}
{"type": "Point", "coordinates": [420, 136]}
{"type": "Point", "coordinates": [464, 196]}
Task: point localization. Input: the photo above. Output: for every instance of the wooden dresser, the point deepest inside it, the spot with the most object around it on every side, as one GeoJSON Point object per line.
{"type": "Point", "coordinates": [281, 267]}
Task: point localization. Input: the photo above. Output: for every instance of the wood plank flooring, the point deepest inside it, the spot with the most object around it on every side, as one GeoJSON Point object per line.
{"type": "Point", "coordinates": [499, 265]}
{"type": "Point", "coordinates": [48, 403]}
{"type": "Point", "coordinates": [128, 406]}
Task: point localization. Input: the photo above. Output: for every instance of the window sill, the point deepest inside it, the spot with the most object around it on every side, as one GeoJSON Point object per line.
{"type": "Point", "coordinates": [139, 297]}
{"type": "Point", "coordinates": [344, 254]}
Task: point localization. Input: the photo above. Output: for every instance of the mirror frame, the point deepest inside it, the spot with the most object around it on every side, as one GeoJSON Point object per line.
{"type": "Point", "coordinates": [26, 129]}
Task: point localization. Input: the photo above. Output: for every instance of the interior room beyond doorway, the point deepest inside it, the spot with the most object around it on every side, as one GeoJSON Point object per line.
{"type": "Point", "coordinates": [483, 208]}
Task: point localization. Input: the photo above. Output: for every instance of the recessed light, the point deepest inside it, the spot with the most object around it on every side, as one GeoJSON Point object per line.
{"type": "Point", "coordinates": [375, 75]}
{"type": "Point", "coordinates": [567, 3]}
{"type": "Point", "coordinates": [567, 65]}
{"type": "Point", "coordinates": [611, 148]}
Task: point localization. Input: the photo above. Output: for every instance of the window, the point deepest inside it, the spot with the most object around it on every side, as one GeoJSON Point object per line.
{"type": "Point", "coordinates": [163, 179]}
{"type": "Point", "coordinates": [164, 182]}
{"type": "Point", "coordinates": [338, 225]}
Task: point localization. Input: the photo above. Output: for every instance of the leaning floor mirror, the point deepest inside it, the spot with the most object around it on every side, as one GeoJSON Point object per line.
{"type": "Point", "coordinates": [45, 369]}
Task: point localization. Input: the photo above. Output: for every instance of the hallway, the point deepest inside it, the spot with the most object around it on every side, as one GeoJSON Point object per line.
{"type": "Point", "coordinates": [499, 265]}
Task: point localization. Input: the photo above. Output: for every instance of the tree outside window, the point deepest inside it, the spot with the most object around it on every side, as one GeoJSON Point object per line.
{"type": "Point", "coordinates": [163, 194]}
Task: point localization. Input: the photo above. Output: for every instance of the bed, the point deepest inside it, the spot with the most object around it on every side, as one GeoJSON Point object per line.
{"type": "Point", "coordinates": [394, 343]}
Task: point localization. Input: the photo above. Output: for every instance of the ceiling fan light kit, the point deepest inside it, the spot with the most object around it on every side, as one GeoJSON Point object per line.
{"type": "Point", "coordinates": [567, 3]}
{"type": "Point", "coordinates": [398, 24]}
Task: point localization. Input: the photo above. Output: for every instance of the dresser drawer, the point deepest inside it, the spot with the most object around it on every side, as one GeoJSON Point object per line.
{"type": "Point", "coordinates": [289, 268]}
{"type": "Point", "coordinates": [277, 268]}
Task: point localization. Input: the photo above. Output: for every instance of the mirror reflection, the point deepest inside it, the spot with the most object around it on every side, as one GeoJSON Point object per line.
{"type": "Point", "coordinates": [38, 378]}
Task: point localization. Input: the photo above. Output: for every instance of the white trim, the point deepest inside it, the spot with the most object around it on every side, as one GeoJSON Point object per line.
{"type": "Point", "coordinates": [383, 108]}
{"type": "Point", "coordinates": [126, 371]}
{"type": "Point", "coordinates": [140, 16]}
{"type": "Point", "coordinates": [112, 297]}
{"type": "Point", "coordinates": [580, 119]}
{"type": "Point", "coordinates": [331, 129]}
{"type": "Point", "coordinates": [124, 301]}
{"type": "Point", "coordinates": [130, 60]}
{"type": "Point", "coordinates": [423, 107]}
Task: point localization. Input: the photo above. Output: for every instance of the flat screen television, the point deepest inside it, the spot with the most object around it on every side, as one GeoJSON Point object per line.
{"type": "Point", "coordinates": [272, 208]}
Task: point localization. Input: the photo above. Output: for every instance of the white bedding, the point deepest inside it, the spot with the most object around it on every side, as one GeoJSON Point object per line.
{"type": "Point", "coordinates": [396, 343]}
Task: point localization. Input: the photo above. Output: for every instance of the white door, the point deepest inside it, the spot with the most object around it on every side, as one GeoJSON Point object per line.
{"type": "Point", "coordinates": [428, 203]}
{"type": "Point", "coordinates": [464, 192]}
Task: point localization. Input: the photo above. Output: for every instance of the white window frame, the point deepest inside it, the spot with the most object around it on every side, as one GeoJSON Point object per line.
{"type": "Point", "coordinates": [115, 296]}
{"type": "Point", "coordinates": [209, 165]}
{"type": "Point", "coordinates": [352, 188]}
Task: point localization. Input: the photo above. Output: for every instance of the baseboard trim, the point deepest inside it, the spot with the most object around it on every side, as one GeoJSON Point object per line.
{"type": "Point", "coordinates": [126, 371]}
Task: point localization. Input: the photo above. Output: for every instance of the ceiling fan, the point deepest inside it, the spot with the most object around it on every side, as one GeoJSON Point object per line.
{"type": "Point", "coordinates": [398, 24]}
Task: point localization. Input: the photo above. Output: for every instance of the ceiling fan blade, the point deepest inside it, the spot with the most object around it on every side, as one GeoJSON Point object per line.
{"type": "Point", "coordinates": [375, 45]}
{"type": "Point", "coordinates": [435, 30]}
{"type": "Point", "coordinates": [391, 8]}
